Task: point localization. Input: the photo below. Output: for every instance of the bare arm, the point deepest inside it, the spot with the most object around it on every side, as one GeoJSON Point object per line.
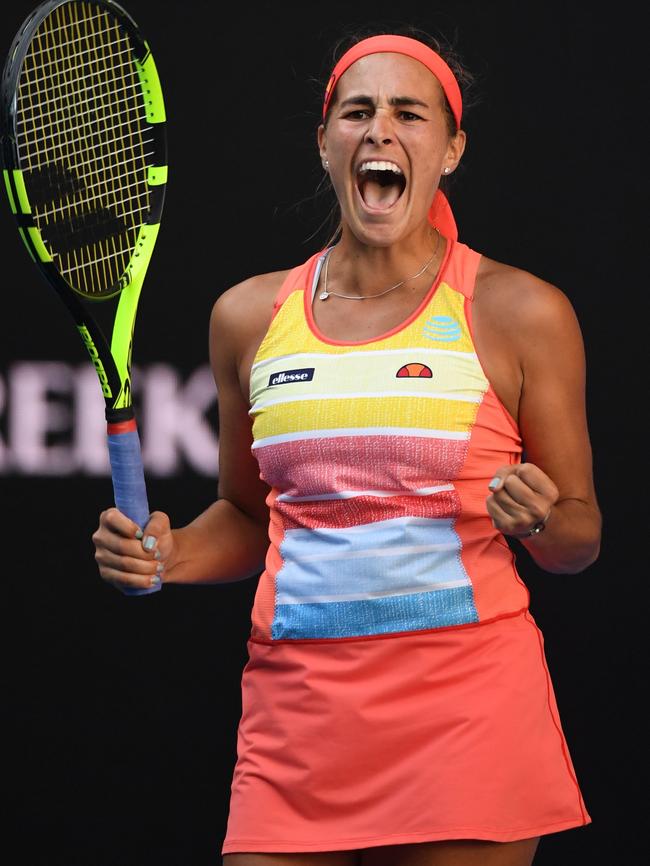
{"type": "Point", "coordinates": [542, 383]}
{"type": "Point", "coordinates": [227, 541]}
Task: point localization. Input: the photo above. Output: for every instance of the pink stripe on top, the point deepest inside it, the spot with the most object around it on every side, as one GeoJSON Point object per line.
{"type": "Point", "coordinates": [385, 463]}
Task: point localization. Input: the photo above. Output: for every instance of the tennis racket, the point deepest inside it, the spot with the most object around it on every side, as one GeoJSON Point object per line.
{"type": "Point", "coordinates": [84, 156]}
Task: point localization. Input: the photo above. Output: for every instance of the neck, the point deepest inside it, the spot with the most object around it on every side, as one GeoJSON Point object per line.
{"type": "Point", "coordinates": [363, 270]}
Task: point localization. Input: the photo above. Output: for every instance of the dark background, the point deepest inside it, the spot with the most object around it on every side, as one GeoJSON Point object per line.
{"type": "Point", "coordinates": [121, 714]}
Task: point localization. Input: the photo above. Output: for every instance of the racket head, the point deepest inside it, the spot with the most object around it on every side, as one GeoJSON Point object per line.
{"type": "Point", "coordinates": [83, 144]}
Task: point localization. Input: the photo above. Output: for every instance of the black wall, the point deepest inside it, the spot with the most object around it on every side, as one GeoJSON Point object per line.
{"type": "Point", "coordinates": [121, 714]}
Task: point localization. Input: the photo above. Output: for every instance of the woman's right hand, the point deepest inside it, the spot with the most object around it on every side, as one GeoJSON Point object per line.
{"type": "Point", "coordinates": [131, 559]}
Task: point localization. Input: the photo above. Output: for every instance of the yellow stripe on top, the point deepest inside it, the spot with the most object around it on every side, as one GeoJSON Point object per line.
{"type": "Point", "coordinates": [408, 413]}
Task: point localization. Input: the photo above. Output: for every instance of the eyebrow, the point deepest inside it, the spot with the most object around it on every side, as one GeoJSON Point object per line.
{"type": "Point", "coordinates": [394, 100]}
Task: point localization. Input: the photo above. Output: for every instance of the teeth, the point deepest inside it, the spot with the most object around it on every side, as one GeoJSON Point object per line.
{"type": "Point", "coordinates": [380, 165]}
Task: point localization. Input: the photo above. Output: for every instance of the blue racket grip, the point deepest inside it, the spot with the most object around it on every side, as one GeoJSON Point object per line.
{"type": "Point", "coordinates": [129, 488]}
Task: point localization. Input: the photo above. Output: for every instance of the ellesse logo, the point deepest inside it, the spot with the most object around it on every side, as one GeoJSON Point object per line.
{"type": "Point", "coordinates": [305, 374]}
{"type": "Point", "coordinates": [414, 371]}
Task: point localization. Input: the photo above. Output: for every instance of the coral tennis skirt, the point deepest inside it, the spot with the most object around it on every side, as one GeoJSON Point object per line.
{"type": "Point", "coordinates": [445, 734]}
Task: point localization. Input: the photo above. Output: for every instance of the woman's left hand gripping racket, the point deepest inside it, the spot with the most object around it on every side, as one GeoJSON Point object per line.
{"type": "Point", "coordinates": [85, 167]}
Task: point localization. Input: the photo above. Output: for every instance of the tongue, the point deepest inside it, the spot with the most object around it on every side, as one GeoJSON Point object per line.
{"type": "Point", "coordinates": [378, 196]}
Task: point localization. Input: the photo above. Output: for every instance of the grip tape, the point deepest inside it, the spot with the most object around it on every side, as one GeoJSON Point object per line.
{"type": "Point", "coordinates": [129, 487]}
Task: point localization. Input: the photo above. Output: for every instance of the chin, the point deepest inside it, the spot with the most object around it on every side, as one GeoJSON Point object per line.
{"type": "Point", "coordinates": [378, 233]}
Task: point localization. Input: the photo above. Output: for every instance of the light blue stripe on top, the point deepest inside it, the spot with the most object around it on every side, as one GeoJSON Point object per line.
{"type": "Point", "coordinates": [400, 572]}
{"type": "Point", "coordinates": [378, 616]}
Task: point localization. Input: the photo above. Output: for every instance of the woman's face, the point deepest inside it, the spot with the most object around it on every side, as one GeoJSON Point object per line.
{"type": "Point", "coordinates": [387, 143]}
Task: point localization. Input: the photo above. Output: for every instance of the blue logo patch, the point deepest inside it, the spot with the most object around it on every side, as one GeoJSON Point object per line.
{"type": "Point", "coordinates": [443, 329]}
{"type": "Point", "coordinates": [305, 374]}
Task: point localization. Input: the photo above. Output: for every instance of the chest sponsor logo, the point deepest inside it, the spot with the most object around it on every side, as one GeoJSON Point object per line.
{"type": "Point", "coordinates": [305, 374]}
{"type": "Point", "coordinates": [443, 329]}
{"type": "Point", "coordinates": [414, 371]}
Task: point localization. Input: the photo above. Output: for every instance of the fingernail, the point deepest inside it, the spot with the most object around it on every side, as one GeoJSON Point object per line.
{"type": "Point", "coordinates": [138, 534]}
{"type": "Point", "coordinates": [159, 568]}
{"type": "Point", "coordinates": [157, 555]}
{"type": "Point", "coordinates": [155, 580]}
{"type": "Point", "coordinates": [494, 483]}
{"type": "Point", "coordinates": [149, 542]}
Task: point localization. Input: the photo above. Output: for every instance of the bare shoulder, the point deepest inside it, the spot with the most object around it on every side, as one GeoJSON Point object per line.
{"type": "Point", "coordinates": [242, 313]}
{"type": "Point", "coordinates": [249, 304]}
{"type": "Point", "coordinates": [518, 303]}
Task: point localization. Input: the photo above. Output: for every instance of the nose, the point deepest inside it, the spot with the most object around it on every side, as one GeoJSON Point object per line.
{"type": "Point", "coordinates": [379, 129]}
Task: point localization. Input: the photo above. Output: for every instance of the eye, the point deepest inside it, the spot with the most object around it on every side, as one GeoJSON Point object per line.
{"type": "Point", "coordinates": [409, 115]}
{"type": "Point", "coordinates": [357, 114]}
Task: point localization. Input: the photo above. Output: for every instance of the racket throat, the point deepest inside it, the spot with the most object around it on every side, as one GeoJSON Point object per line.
{"type": "Point", "coordinates": [120, 420]}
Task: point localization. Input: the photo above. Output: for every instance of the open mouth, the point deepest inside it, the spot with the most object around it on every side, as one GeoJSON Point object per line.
{"type": "Point", "coordinates": [380, 183]}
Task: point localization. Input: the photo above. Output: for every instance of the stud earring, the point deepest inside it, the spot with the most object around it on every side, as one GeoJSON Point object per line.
{"type": "Point", "coordinates": [447, 169]}
{"type": "Point", "coordinates": [326, 164]}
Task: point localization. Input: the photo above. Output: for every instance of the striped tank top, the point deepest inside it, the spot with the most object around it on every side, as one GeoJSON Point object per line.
{"type": "Point", "coordinates": [378, 455]}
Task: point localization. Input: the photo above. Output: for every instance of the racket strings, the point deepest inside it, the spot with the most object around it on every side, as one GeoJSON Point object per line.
{"type": "Point", "coordinates": [56, 211]}
{"type": "Point", "coordinates": [80, 96]}
{"type": "Point", "coordinates": [109, 225]}
{"type": "Point", "coordinates": [78, 221]}
{"type": "Point", "coordinates": [45, 130]}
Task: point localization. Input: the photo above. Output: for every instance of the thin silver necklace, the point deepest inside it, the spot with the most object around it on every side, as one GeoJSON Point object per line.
{"type": "Point", "coordinates": [324, 295]}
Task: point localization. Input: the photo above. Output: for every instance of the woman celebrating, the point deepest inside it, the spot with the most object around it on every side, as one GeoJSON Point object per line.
{"type": "Point", "coordinates": [375, 403]}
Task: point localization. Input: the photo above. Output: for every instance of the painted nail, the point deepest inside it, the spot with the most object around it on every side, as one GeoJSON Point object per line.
{"type": "Point", "coordinates": [155, 580]}
{"type": "Point", "coordinates": [149, 542]}
{"type": "Point", "coordinates": [138, 534]}
{"type": "Point", "coordinates": [159, 568]}
{"type": "Point", "coordinates": [494, 483]}
{"type": "Point", "coordinates": [157, 554]}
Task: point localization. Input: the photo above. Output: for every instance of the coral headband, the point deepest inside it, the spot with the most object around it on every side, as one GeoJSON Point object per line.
{"type": "Point", "coordinates": [400, 45]}
{"type": "Point", "coordinates": [440, 213]}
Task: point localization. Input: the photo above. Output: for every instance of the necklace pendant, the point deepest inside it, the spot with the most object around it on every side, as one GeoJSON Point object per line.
{"type": "Point", "coordinates": [324, 296]}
